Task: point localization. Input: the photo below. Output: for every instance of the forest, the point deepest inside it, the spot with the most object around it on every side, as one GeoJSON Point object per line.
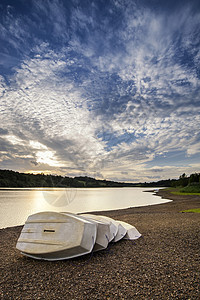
{"type": "Point", "coordinates": [11, 179]}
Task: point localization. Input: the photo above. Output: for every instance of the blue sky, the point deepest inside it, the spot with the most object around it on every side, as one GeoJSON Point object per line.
{"type": "Point", "coordinates": [108, 89]}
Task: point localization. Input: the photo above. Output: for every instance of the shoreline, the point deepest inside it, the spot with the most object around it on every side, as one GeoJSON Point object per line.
{"type": "Point", "coordinates": [162, 264]}
{"type": "Point", "coordinates": [178, 202]}
{"type": "Point", "coordinates": [101, 211]}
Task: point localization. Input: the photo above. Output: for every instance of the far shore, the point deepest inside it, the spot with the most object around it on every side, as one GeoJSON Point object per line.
{"type": "Point", "coordinates": [162, 264]}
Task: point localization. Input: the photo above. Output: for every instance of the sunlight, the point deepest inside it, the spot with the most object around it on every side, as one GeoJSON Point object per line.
{"type": "Point", "coordinates": [47, 157]}
{"type": "Point", "coordinates": [37, 145]}
{"type": "Point", "coordinates": [35, 172]}
{"type": "Point", "coordinates": [13, 139]}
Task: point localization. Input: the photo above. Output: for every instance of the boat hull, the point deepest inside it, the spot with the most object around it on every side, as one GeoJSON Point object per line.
{"type": "Point", "coordinates": [54, 236]}
{"type": "Point", "coordinates": [132, 233]}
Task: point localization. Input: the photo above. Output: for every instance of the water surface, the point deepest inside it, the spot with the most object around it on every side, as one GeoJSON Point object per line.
{"type": "Point", "coordinates": [17, 204]}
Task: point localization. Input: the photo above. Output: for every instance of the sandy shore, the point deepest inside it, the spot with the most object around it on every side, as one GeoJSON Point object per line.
{"type": "Point", "coordinates": [163, 264]}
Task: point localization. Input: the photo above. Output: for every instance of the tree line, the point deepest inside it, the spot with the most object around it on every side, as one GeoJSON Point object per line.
{"type": "Point", "coordinates": [189, 184]}
{"type": "Point", "coordinates": [184, 180]}
{"type": "Point", "coordinates": [10, 178]}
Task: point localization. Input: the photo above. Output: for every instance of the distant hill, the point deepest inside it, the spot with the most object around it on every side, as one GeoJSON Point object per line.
{"type": "Point", "coordinates": [10, 178]}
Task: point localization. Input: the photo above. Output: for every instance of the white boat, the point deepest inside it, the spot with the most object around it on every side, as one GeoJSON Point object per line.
{"type": "Point", "coordinates": [132, 233]}
{"type": "Point", "coordinates": [55, 236]}
{"type": "Point", "coordinates": [103, 231]}
{"type": "Point", "coordinates": [112, 226]}
{"type": "Point", "coordinates": [120, 233]}
{"type": "Point", "coordinates": [120, 230]}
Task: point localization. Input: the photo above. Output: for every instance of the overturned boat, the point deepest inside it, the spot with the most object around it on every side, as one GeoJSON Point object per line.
{"type": "Point", "coordinates": [120, 230]}
{"type": "Point", "coordinates": [103, 231]}
{"type": "Point", "coordinates": [131, 232]}
{"type": "Point", "coordinates": [113, 227]}
{"type": "Point", "coordinates": [56, 236]}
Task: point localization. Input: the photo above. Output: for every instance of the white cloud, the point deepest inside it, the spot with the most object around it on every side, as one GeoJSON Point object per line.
{"type": "Point", "coordinates": [101, 109]}
{"type": "Point", "coordinates": [49, 109]}
{"type": "Point", "coordinates": [47, 157]}
{"type": "Point", "coordinates": [37, 145]}
{"type": "Point", "coordinates": [14, 139]}
{"type": "Point", "coordinates": [193, 149]}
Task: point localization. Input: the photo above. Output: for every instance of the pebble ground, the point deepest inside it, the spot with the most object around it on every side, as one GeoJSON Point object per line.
{"type": "Point", "coordinates": [162, 264]}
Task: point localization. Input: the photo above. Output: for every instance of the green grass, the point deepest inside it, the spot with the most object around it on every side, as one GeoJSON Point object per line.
{"type": "Point", "coordinates": [191, 189]}
{"type": "Point", "coordinates": [195, 210]}
{"type": "Point", "coordinates": [178, 191]}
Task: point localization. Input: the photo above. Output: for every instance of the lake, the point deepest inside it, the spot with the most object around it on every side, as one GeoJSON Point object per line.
{"type": "Point", "coordinates": [17, 204]}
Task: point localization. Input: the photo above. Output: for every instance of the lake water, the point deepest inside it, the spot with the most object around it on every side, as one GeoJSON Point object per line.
{"type": "Point", "coordinates": [17, 204]}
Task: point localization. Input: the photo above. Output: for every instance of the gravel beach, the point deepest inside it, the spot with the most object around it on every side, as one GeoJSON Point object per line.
{"type": "Point", "coordinates": [162, 264]}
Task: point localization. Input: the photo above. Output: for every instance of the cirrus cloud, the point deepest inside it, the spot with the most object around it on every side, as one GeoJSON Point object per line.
{"type": "Point", "coordinates": [108, 88]}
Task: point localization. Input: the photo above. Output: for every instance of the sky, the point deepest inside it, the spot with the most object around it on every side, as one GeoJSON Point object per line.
{"type": "Point", "coordinates": [105, 88]}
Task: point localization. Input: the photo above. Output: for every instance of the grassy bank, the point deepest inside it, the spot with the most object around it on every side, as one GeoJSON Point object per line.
{"type": "Point", "coordinates": [184, 191]}
{"type": "Point", "coordinates": [195, 210]}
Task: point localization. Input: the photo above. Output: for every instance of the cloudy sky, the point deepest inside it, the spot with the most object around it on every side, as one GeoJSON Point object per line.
{"type": "Point", "coordinates": [103, 88]}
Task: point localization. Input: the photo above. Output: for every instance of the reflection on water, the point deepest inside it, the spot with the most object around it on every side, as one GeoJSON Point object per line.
{"type": "Point", "coordinates": [60, 197]}
{"type": "Point", "coordinates": [18, 204]}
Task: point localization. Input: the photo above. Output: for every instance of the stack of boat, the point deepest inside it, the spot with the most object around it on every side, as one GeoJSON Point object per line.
{"type": "Point", "coordinates": [56, 236]}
